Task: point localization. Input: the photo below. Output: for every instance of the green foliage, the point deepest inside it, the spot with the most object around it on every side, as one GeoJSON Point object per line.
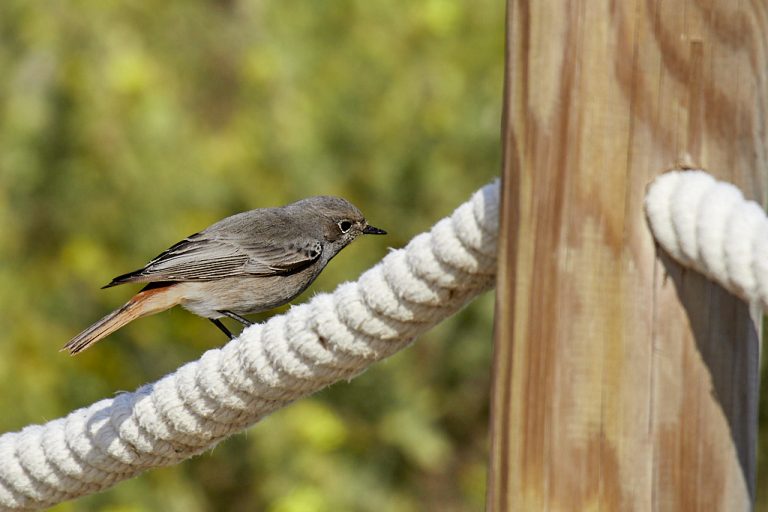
{"type": "Point", "coordinates": [125, 126]}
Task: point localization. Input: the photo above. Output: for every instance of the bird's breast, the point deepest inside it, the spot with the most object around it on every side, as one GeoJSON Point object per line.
{"type": "Point", "coordinates": [244, 295]}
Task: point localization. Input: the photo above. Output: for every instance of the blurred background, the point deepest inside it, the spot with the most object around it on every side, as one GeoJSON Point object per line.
{"type": "Point", "coordinates": [126, 126]}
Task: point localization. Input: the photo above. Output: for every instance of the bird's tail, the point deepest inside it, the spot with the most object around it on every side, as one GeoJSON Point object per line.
{"type": "Point", "coordinates": [144, 303]}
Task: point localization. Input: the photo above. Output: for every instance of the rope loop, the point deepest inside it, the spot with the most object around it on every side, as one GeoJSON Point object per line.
{"type": "Point", "coordinates": [709, 226]}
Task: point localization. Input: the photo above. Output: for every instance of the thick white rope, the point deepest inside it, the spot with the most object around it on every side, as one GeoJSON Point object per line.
{"type": "Point", "coordinates": [332, 337]}
{"type": "Point", "coordinates": [709, 226]}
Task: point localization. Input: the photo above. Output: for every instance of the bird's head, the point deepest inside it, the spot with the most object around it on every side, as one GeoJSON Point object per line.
{"type": "Point", "coordinates": [340, 220]}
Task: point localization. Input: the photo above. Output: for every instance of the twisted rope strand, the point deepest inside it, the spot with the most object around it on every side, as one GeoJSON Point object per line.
{"type": "Point", "coordinates": [708, 225]}
{"type": "Point", "coordinates": [330, 338]}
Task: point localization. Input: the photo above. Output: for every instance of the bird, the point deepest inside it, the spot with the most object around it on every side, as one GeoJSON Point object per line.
{"type": "Point", "coordinates": [247, 263]}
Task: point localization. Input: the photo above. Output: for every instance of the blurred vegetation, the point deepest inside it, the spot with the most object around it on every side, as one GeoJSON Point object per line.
{"type": "Point", "coordinates": [125, 126]}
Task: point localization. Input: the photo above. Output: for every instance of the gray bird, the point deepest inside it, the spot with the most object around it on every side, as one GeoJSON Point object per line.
{"type": "Point", "coordinates": [247, 263]}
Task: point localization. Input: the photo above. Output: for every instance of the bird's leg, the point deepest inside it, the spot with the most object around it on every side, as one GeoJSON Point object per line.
{"type": "Point", "coordinates": [221, 326]}
{"type": "Point", "coordinates": [235, 316]}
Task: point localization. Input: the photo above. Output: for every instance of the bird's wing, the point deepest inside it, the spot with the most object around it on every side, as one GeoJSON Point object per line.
{"type": "Point", "coordinates": [204, 258]}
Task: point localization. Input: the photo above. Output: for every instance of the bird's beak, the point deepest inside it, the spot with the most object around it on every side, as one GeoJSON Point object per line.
{"type": "Point", "coordinates": [370, 230]}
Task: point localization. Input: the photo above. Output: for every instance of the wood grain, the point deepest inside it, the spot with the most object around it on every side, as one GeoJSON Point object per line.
{"type": "Point", "coordinates": [621, 380]}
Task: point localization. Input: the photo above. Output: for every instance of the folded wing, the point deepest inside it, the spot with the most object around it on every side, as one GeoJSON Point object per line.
{"type": "Point", "coordinates": [201, 257]}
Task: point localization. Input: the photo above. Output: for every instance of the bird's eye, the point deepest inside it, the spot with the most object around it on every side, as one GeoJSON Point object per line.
{"type": "Point", "coordinates": [345, 226]}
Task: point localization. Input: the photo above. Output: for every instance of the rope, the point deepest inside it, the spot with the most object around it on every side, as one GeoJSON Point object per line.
{"type": "Point", "coordinates": [709, 226]}
{"type": "Point", "coordinates": [330, 338]}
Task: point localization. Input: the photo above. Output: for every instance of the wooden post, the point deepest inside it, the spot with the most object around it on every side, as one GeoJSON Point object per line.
{"type": "Point", "coordinates": [621, 380]}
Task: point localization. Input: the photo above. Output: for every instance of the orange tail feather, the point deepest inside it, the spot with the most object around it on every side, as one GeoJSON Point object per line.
{"type": "Point", "coordinates": [144, 303]}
